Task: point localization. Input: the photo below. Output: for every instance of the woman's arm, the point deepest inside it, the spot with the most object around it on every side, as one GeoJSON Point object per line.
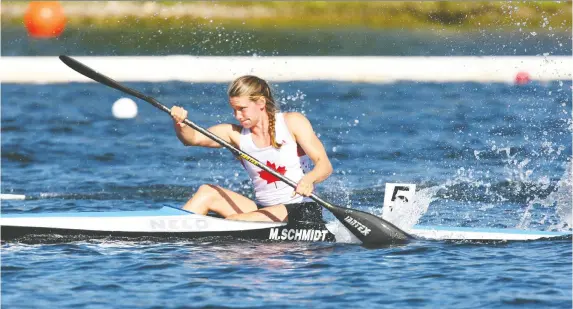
{"type": "Point", "coordinates": [190, 137]}
{"type": "Point", "coordinates": [305, 137]}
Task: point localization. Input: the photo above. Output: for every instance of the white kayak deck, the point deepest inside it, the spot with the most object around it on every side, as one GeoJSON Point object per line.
{"type": "Point", "coordinates": [165, 219]}
{"type": "Point", "coordinates": [168, 219]}
{"type": "Point", "coordinates": [469, 233]}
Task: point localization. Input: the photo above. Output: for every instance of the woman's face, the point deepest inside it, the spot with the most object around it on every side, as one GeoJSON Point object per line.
{"type": "Point", "coordinates": [247, 111]}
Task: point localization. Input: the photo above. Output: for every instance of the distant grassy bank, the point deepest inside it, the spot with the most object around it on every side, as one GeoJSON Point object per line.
{"type": "Point", "coordinates": [502, 15]}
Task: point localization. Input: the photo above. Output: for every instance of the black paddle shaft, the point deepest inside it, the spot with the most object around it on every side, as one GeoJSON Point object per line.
{"type": "Point", "coordinates": [370, 229]}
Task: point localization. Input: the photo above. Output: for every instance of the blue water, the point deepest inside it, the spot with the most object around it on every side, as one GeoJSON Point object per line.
{"type": "Point", "coordinates": [482, 155]}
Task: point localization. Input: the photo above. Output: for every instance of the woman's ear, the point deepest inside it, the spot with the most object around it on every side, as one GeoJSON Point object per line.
{"type": "Point", "coordinates": [261, 101]}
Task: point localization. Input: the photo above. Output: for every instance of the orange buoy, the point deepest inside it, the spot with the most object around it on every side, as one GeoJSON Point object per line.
{"type": "Point", "coordinates": [44, 19]}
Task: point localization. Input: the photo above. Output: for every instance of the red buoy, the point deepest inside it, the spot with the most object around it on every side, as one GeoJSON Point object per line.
{"type": "Point", "coordinates": [522, 78]}
{"type": "Point", "coordinates": [44, 19]}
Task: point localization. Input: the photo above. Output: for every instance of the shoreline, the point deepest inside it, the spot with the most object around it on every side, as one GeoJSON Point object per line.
{"type": "Point", "coordinates": [541, 16]}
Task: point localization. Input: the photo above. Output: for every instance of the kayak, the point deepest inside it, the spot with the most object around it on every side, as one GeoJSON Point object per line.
{"type": "Point", "coordinates": [164, 223]}
{"type": "Point", "coordinates": [169, 223]}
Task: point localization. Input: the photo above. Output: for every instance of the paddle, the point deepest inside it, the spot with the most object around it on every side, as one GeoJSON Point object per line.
{"type": "Point", "coordinates": [370, 229]}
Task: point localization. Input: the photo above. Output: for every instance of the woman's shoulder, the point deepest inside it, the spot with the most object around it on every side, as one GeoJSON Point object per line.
{"type": "Point", "coordinates": [227, 129]}
{"type": "Point", "coordinates": [235, 132]}
{"type": "Point", "coordinates": [235, 129]}
{"type": "Point", "coordinates": [296, 121]}
{"type": "Point", "coordinates": [294, 117]}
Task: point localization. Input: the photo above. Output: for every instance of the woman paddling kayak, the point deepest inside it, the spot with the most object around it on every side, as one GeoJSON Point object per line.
{"type": "Point", "coordinates": [250, 99]}
{"type": "Point", "coordinates": [286, 142]}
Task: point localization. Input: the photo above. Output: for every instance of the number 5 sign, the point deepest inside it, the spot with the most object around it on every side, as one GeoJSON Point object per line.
{"type": "Point", "coordinates": [398, 193]}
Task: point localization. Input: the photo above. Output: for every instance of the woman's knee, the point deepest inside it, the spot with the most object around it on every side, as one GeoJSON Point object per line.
{"type": "Point", "coordinates": [207, 190]}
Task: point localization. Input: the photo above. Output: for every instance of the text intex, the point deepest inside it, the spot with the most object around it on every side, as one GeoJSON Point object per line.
{"type": "Point", "coordinates": [297, 234]}
{"type": "Point", "coordinates": [359, 226]}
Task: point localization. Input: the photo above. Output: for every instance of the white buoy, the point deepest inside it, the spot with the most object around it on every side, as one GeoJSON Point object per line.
{"type": "Point", "coordinates": [124, 108]}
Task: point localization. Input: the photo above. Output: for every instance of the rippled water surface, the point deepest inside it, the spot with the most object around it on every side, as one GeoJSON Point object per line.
{"type": "Point", "coordinates": [482, 155]}
{"type": "Point", "coordinates": [422, 274]}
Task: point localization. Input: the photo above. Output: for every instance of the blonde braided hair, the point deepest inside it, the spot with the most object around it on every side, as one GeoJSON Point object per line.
{"type": "Point", "coordinates": [255, 88]}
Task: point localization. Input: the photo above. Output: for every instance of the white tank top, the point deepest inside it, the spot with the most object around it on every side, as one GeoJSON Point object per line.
{"type": "Point", "coordinates": [289, 160]}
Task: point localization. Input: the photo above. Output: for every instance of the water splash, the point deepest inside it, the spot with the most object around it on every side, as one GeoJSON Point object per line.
{"type": "Point", "coordinates": [406, 215]}
{"type": "Point", "coordinates": [342, 234]}
{"type": "Point", "coordinates": [560, 199]}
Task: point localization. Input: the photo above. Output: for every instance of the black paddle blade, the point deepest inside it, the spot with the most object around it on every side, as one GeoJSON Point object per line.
{"type": "Point", "coordinates": [89, 72]}
{"type": "Point", "coordinates": [370, 229]}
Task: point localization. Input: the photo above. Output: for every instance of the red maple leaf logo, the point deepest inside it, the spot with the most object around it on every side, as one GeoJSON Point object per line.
{"type": "Point", "coordinates": [268, 176]}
